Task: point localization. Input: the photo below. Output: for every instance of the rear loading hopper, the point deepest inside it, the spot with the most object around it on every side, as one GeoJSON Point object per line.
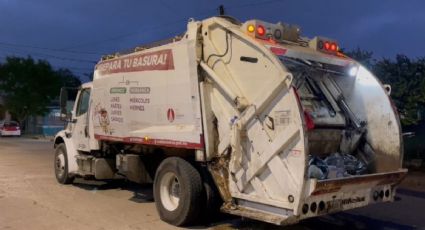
{"type": "Point", "coordinates": [300, 132]}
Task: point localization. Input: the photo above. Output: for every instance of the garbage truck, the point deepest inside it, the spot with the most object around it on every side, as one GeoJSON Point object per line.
{"type": "Point", "coordinates": [252, 118]}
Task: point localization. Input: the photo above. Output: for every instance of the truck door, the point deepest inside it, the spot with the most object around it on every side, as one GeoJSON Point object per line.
{"type": "Point", "coordinates": [80, 132]}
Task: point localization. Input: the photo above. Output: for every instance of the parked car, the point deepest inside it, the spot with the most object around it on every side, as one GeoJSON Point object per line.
{"type": "Point", "coordinates": [10, 128]}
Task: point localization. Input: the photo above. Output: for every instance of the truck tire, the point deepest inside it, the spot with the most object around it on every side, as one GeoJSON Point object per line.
{"type": "Point", "coordinates": [212, 202]}
{"type": "Point", "coordinates": [61, 165]}
{"type": "Point", "coordinates": [178, 192]}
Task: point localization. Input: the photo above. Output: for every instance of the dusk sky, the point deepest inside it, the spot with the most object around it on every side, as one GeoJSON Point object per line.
{"type": "Point", "coordinates": [74, 34]}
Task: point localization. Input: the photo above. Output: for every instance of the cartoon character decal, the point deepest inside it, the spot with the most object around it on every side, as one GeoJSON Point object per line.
{"type": "Point", "coordinates": [104, 121]}
{"type": "Point", "coordinates": [101, 115]}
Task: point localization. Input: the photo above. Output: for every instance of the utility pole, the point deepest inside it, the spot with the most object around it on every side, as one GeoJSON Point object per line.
{"type": "Point", "coordinates": [221, 10]}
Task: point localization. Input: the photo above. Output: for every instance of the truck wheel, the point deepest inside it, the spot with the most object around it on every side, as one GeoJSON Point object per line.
{"type": "Point", "coordinates": [212, 202]}
{"type": "Point", "coordinates": [178, 192]}
{"type": "Point", "coordinates": [61, 165]}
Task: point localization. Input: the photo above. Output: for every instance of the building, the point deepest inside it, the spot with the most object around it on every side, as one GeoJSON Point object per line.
{"type": "Point", "coordinates": [47, 125]}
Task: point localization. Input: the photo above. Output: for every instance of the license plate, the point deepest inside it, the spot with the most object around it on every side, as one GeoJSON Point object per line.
{"type": "Point", "coordinates": [334, 205]}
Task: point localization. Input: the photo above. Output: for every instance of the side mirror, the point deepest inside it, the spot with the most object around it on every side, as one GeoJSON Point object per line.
{"type": "Point", "coordinates": [64, 113]}
{"type": "Point", "coordinates": [64, 103]}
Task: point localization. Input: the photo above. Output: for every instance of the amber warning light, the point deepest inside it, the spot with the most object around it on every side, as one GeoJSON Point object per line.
{"type": "Point", "coordinates": [272, 32]}
{"type": "Point", "coordinates": [251, 28]}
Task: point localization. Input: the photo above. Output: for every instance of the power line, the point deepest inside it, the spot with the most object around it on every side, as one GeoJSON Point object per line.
{"type": "Point", "coordinates": [78, 71]}
{"type": "Point", "coordinates": [67, 58]}
{"type": "Point", "coordinates": [252, 4]}
{"type": "Point", "coordinates": [151, 28]}
{"type": "Point", "coordinates": [49, 49]}
{"type": "Point", "coordinates": [49, 56]}
{"type": "Point", "coordinates": [164, 24]}
{"type": "Point", "coordinates": [74, 68]}
{"type": "Point", "coordinates": [117, 37]}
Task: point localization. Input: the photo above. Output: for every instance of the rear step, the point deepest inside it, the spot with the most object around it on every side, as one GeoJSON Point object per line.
{"type": "Point", "coordinates": [250, 213]}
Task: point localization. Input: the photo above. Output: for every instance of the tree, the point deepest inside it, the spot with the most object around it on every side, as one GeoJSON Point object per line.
{"type": "Point", "coordinates": [362, 56]}
{"type": "Point", "coordinates": [407, 79]}
{"type": "Point", "coordinates": [68, 79]}
{"type": "Point", "coordinates": [29, 86]}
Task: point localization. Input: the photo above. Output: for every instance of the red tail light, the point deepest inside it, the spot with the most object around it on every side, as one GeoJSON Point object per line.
{"type": "Point", "coordinates": [327, 45]}
{"type": "Point", "coordinates": [10, 128]}
{"type": "Point", "coordinates": [333, 47]}
{"type": "Point", "coordinates": [260, 30]}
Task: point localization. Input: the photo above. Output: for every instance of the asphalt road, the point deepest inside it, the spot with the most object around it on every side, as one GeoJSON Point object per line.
{"type": "Point", "coordinates": [30, 198]}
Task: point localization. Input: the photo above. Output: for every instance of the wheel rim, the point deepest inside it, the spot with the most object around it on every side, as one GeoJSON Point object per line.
{"type": "Point", "coordinates": [60, 164]}
{"type": "Point", "coordinates": [170, 191]}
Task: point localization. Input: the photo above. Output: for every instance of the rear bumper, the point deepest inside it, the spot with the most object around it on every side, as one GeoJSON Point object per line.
{"type": "Point", "coordinates": [336, 195]}
{"type": "Point", "coordinates": [325, 197]}
{"type": "Point", "coordinates": [10, 133]}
